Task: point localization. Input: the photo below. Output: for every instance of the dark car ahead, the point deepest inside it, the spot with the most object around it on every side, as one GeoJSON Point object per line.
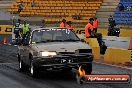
{"type": "Point", "coordinates": [55, 49]}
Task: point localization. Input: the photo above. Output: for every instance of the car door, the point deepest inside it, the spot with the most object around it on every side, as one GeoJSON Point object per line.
{"type": "Point", "coordinates": [25, 50]}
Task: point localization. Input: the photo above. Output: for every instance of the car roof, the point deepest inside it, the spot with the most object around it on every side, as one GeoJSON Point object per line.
{"type": "Point", "coordinates": [45, 28]}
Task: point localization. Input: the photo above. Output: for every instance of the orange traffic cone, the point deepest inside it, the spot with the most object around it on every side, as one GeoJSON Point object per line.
{"type": "Point", "coordinates": [130, 45]}
{"type": "Point", "coordinates": [4, 39]}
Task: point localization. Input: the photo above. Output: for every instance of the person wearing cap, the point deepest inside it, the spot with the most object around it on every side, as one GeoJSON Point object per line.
{"type": "Point", "coordinates": [110, 19]}
{"type": "Point", "coordinates": [17, 24]}
{"type": "Point", "coordinates": [25, 30]}
{"type": "Point", "coordinates": [17, 29]}
{"type": "Point", "coordinates": [69, 25]}
{"type": "Point", "coordinates": [89, 28]}
{"type": "Point", "coordinates": [111, 22]}
{"type": "Point", "coordinates": [63, 23]}
{"type": "Point", "coordinates": [95, 24]}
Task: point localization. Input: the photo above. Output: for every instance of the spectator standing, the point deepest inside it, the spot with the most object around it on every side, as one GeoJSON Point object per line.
{"type": "Point", "coordinates": [63, 23]}
{"type": "Point", "coordinates": [25, 30]}
{"type": "Point", "coordinates": [69, 25]}
{"type": "Point", "coordinates": [17, 30]}
{"type": "Point", "coordinates": [110, 18]}
{"type": "Point", "coordinates": [111, 21]}
{"type": "Point", "coordinates": [20, 8]}
{"type": "Point", "coordinates": [121, 7]}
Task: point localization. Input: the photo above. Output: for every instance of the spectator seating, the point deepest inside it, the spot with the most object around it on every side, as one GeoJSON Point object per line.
{"type": "Point", "coordinates": [124, 17]}
{"type": "Point", "coordinates": [54, 10]}
{"type": "Point", "coordinates": [125, 0]}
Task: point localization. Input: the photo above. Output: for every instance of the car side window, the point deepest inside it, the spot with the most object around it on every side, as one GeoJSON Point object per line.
{"type": "Point", "coordinates": [36, 36]}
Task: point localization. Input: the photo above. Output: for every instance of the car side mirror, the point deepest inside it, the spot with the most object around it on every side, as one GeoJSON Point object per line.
{"type": "Point", "coordinates": [82, 40]}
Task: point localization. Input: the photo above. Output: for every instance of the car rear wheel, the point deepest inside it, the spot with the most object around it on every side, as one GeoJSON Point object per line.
{"type": "Point", "coordinates": [33, 70]}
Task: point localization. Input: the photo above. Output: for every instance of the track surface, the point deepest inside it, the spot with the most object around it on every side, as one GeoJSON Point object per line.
{"type": "Point", "coordinates": [10, 77]}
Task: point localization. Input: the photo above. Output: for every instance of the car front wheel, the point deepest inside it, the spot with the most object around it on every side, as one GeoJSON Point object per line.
{"type": "Point", "coordinates": [33, 70]}
{"type": "Point", "coordinates": [22, 66]}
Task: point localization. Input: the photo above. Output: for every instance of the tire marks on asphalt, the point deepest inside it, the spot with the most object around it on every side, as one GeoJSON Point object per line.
{"type": "Point", "coordinates": [8, 54]}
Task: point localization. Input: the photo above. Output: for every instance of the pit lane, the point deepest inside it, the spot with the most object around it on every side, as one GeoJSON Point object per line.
{"type": "Point", "coordinates": [10, 77]}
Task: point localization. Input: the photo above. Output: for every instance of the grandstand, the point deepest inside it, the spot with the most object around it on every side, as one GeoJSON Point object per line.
{"type": "Point", "coordinates": [123, 17]}
{"type": "Point", "coordinates": [107, 8]}
{"type": "Point", "coordinates": [53, 11]}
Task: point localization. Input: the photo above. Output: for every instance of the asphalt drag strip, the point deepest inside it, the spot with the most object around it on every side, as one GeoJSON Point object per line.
{"type": "Point", "coordinates": [10, 77]}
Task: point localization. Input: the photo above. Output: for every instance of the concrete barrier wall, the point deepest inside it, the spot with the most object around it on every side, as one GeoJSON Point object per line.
{"type": "Point", "coordinates": [117, 56]}
{"type": "Point", "coordinates": [94, 46]}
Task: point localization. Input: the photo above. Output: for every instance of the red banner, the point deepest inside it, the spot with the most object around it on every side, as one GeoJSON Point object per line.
{"type": "Point", "coordinates": [104, 79]}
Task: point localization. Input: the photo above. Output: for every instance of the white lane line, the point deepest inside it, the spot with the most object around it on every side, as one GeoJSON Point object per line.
{"type": "Point", "coordinates": [113, 65]}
